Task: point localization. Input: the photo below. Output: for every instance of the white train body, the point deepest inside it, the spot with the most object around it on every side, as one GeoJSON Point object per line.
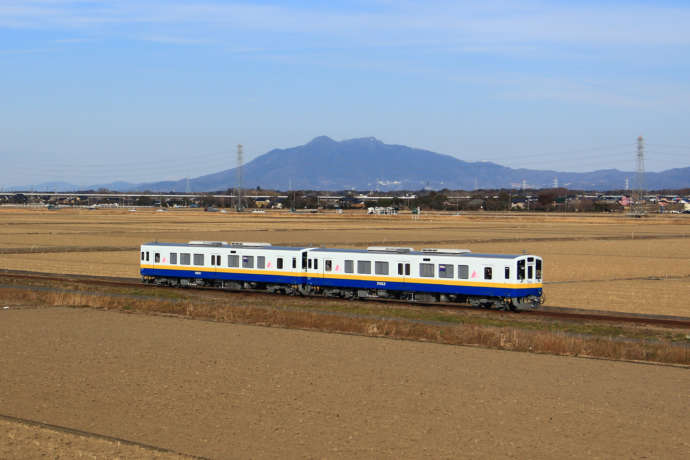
{"type": "Point", "coordinates": [430, 274]}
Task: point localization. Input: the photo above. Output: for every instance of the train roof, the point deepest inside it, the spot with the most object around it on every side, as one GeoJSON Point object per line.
{"type": "Point", "coordinates": [423, 253]}
{"type": "Point", "coordinates": [435, 253]}
{"type": "Point", "coordinates": [229, 246]}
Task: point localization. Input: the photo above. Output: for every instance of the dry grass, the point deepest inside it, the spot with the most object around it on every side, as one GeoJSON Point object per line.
{"type": "Point", "coordinates": [576, 248]}
{"type": "Point", "coordinates": [538, 339]}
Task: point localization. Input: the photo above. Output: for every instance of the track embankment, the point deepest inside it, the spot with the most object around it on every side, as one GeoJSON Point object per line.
{"type": "Point", "coordinates": [559, 313]}
{"type": "Point", "coordinates": [552, 330]}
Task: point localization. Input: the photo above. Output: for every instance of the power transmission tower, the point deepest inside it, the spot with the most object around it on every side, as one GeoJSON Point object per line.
{"type": "Point", "coordinates": [555, 182]}
{"type": "Point", "coordinates": [187, 189]}
{"type": "Point", "coordinates": [637, 208]}
{"type": "Point", "coordinates": [239, 205]}
{"type": "Point", "coordinates": [627, 184]}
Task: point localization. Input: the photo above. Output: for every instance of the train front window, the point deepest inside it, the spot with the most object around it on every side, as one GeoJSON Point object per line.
{"type": "Point", "coordinates": [538, 269]}
{"type": "Point", "coordinates": [521, 270]}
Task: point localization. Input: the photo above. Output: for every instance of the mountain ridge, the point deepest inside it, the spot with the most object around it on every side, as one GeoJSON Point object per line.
{"type": "Point", "coordinates": [367, 163]}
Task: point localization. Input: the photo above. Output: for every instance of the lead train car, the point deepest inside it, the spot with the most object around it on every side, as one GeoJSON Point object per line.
{"type": "Point", "coordinates": [448, 275]}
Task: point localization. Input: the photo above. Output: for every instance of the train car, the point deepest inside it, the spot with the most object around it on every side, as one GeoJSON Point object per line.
{"type": "Point", "coordinates": [446, 275]}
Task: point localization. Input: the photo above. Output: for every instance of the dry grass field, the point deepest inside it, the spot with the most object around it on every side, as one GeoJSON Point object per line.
{"type": "Point", "coordinates": [603, 262]}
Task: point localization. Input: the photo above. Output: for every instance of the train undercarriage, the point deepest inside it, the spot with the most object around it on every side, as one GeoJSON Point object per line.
{"type": "Point", "coordinates": [501, 303]}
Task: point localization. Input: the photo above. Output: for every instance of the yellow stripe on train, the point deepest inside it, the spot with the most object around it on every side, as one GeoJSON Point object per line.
{"type": "Point", "coordinates": [442, 282]}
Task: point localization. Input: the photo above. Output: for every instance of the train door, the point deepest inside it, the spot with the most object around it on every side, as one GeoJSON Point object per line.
{"type": "Point", "coordinates": [156, 258]}
{"type": "Point", "coordinates": [315, 267]}
{"type": "Point", "coordinates": [521, 270]}
{"type": "Point", "coordinates": [215, 262]}
{"type": "Point", "coordinates": [404, 270]}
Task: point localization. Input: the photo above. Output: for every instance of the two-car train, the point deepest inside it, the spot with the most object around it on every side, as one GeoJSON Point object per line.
{"type": "Point", "coordinates": [445, 275]}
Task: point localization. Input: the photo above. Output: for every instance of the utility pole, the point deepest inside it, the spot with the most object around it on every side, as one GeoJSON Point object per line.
{"type": "Point", "coordinates": [637, 208]}
{"type": "Point", "coordinates": [240, 204]}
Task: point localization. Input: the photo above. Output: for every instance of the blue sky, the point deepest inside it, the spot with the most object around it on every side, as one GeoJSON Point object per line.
{"type": "Point", "coordinates": [94, 91]}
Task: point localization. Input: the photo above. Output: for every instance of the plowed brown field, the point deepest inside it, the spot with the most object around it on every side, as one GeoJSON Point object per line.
{"type": "Point", "coordinates": [231, 391]}
{"type": "Point", "coordinates": [600, 262]}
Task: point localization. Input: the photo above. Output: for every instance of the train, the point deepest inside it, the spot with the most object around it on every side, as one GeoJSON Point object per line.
{"type": "Point", "coordinates": [504, 281]}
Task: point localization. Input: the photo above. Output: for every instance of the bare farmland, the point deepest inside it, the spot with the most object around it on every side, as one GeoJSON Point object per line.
{"type": "Point", "coordinates": [591, 261]}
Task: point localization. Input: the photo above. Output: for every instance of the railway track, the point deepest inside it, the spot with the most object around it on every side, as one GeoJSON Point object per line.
{"type": "Point", "coordinates": [555, 313]}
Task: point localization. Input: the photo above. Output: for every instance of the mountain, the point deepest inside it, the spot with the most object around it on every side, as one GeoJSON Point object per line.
{"type": "Point", "coordinates": [369, 164]}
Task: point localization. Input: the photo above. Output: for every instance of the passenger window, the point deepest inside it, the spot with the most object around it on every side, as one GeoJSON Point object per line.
{"type": "Point", "coordinates": [521, 270]}
{"type": "Point", "coordinates": [407, 269]}
{"type": "Point", "coordinates": [309, 263]}
{"type": "Point", "coordinates": [400, 269]}
{"type": "Point", "coordinates": [316, 264]}
{"type": "Point", "coordinates": [349, 266]}
{"type": "Point", "coordinates": [364, 267]}
{"type": "Point", "coordinates": [260, 262]}
{"type": "Point", "coordinates": [381, 268]}
{"type": "Point", "coordinates": [538, 269]}
{"type": "Point", "coordinates": [279, 263]}
{"type": "Point", "coordinates": [304, 261]}
{"type": "Point", "coordinates": [173, 258]}
{"type": "Point", "coordinates": [445, 271]}
{"type": "Point", "coordinates": [147, 256]}
{"type": "Point", "coordinates": [157, 258]}
{"type": "Point", "coordinates": [247, 261]}
{"type": "Point", "coordinates": [233, 260]}
{"type": "Point", "coordinates": [463, 272]}
{"type": "Point", "coordinates": [529, 272]}
{"type": "Point", "coordinates": [426, 270]}
{"type": "Point", "coordinates": [487, 273]}
{"type": "Point", "coordinates": [328, 265]}
{"type": "Point", "coordinates": [507, 273]}
{"type": "Point", "coordinates": [142, 255]}
{"type": "Point", "coordinates": [198, 259]}
{"type": "Point", "coordinates": [294, 262]}
{"type": "Point", "coordinates": [185, 258]}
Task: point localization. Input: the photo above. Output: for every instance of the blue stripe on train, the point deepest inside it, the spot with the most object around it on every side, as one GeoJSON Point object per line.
{"type": "Point", "coordinates": [423, 287]}
{"type": "Point", "coordinates": [224, 276]}
{"type": "Point", "coordinates": [348, 283]}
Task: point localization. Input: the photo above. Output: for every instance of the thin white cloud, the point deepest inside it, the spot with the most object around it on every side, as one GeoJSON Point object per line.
{"type": "Point", "coordinates": [488, 24]}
